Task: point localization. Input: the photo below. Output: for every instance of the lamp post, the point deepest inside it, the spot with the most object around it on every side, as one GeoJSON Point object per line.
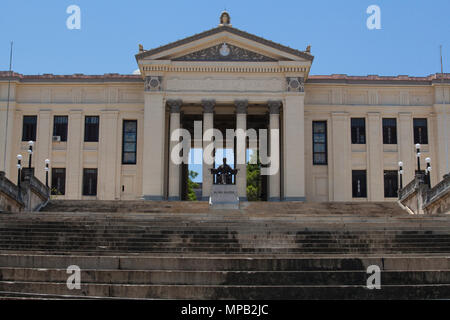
{"type": "Point", "coordinates": [418, 156]}
{"type": "Point", "coordinates": [19, 167]}
{"type": "Point", "coordinates": [400, 174]}
{"type": "Point", "coordinates": [47, 162]}
{"type": "Point", "coordinates": [30, 152]}
{"type": "Point", "coordinates": [428, 171]}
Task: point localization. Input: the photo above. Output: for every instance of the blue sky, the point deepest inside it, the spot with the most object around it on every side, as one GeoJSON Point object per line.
{"type": "Point", "coordinates": [408, 42]}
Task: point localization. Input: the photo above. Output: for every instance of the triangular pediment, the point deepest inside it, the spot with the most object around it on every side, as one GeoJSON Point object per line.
{"type": "Point", "coordinates": [224, 52]}
{"type": "Point", "coordinates": [242, 46]}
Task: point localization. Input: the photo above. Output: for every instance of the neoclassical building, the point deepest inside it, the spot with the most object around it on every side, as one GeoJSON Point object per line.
{"type": "Point", "coordinates": [340, 137]}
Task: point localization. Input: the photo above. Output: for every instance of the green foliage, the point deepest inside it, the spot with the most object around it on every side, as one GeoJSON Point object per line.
{"type": "Point", "coordinates": [54, 192]}
{"type": "Point", "coordinates": [191, 186]}
{"type": "Point", "coordinates": [254, 178]}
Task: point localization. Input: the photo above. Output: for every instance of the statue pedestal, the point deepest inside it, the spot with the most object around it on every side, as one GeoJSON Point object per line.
{"type": "Point", "coordinates": [224, 196]}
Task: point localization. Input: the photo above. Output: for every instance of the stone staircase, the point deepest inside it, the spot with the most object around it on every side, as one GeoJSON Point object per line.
{"type": "Point", "coordinates": [297, 251]}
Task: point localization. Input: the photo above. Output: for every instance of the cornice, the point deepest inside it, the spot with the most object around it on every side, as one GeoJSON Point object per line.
{"type": "Point", "coordinates": [229, 29]}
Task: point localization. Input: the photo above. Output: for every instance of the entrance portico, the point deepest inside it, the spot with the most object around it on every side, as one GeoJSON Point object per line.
{"type": "Point", "coordinates": [224, 71]}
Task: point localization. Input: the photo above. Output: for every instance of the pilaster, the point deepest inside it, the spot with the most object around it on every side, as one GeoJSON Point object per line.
{"type": "Point", "coordinates": [174, 168]}
{"type": "Point", "coordinates": [341, 156]}
{"type": "Point", "coordinates": [74, 156]}
{"type": "Point", "coordinates": [375, 162]}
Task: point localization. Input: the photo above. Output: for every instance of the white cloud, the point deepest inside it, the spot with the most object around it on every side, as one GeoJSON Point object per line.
{"type": "Point", "coordinates": [137, 71]}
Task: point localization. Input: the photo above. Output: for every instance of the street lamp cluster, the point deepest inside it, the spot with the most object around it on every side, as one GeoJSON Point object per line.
{"type": "Point", "coordinates": [30, 157]}
{"type": "Point", "coordinates": [427, 169]}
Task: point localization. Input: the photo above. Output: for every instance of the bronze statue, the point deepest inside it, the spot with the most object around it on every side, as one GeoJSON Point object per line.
{"type": "Point", "coordinates": [224, 173]}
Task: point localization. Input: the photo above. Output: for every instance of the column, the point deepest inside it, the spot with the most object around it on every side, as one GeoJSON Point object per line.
{"type": "Point", "coordinates": [208, 123]}
{"type": "Point", "coordinates": [406, 146]}
{"type": "Point", "coordinates": [108, 153]}
{"type": "Point", "coordinates": [43, 143]}
{"type": "Point", "coordinates": [153, 157]}
{"type": "Point", "coordinates": [375, 161]}
{"type": "Point", "coordinates": [274, 147]}
{"type": "Point", "coordinates": [174, 168]}
{"type": "Point", "coordinates": [241, 148]}
{"type": "Point", "coordinates": [294, 147]}
{"type": "Point", "coordinates": [341, 159]}
{"type": "Point", "coordinates": [74, 155]}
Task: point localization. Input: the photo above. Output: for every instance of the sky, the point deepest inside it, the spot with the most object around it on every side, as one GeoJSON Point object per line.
{"type": "Point", "coordinates": [110, 31]}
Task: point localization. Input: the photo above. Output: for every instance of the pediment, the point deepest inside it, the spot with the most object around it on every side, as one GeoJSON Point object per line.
{"type": "Point", "coordinates": [242, 46]}
{"type": "Point", "coordinates": [224, 52]}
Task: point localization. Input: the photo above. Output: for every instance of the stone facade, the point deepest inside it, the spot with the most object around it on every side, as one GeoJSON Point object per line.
{"type": "Point", "coordinates": [193, 77]}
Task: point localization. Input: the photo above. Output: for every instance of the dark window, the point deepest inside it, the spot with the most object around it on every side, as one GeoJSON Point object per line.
{"type": "Point", "coordinates": [319, 142]}
{"type": "Point", "coordinates": [389, 131]}
{"type": "Point", "coordinates": [89, 182]}
{"type": "Point", "coordinates": [358, 130]}
{"type": "Point", "coordinates": [91, 124]}
{"type": "Point", "coordinates": [129, 142]}
{"type": "Point", "coordinates": [29, 128]}
{"type": "Point", "coordinates": [60, 127]}
{"type": "Point", "coordinates": [420, 131]}
{"type": "Point", "coordinates": [359, 184]}
{"type": "Point", "coordinates": [58, 181]}
{"type": "Point", "coordinates": [390, 184]}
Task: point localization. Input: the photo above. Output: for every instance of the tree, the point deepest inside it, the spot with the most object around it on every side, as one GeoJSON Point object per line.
{"type": "Point", "coordinates": [191, 186]}
{"type": "Point", "coordinates": [254, 178]}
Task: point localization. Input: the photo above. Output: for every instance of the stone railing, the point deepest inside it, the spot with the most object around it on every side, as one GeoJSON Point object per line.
{"type": "Point", "coordinates": [417, 198]}
{"type": "Point", "coordinates": [10, 199]}
{"type": "Point", "coordinates": [411, 187]}
{"type": "Point", "coordinates": [31, 196]}
{"type": "Point", "coordinates": [36, 193]}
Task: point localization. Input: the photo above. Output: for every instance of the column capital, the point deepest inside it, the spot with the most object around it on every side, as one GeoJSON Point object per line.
{"type": "Point", "coordinates": [208, 105]}
{"type": "Point", "coordinates": [175, 105]}
{"type": "Point", "coordinates": [274, 106]}
{"type": "Point", "coordinates": [241, 106]}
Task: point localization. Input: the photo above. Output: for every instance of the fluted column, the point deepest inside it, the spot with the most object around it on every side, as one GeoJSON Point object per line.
{"type": "Point", "coordinates": [274, 147]}
{"type": "Point", "coordinates": [208, 123]}
{"type": "Point", "coordinates": [174, 168]}
{"type": "Point", "coordinates": [241, 148]}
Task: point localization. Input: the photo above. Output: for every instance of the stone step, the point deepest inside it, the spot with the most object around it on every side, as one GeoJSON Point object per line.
{"type": "Point", "coordinates": [248, 278]}
{"type": "Point", "coordinates": [213, 250]}
{"type": "Point", "coordinates": [201, 235]}
{"type": "Point", "coordinates": [208, 229]}
{"type": "Point", "coordinates": [441, 291]}
{"type": "Point", "coordinates": [225, 242]}
{"type": "Point", "coordinates": [226, 262]}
